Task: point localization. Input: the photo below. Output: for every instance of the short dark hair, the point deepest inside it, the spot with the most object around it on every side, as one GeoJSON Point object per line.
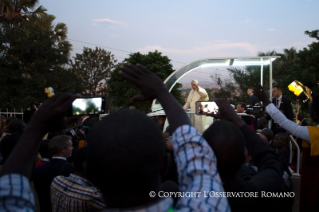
{"type": "Point", "coordinates": [277, 86]}
{"type": "Point", "coordinates": [57, 143]}
{"type": "Point", "coordinates": [80, 158]}
{"type": "Point", "coordinates": [268, 133]}
{"type": "Point", "coordinates": [228, 147]}
{"type": "Point", "coordinates": [16, 126]}
{"type": "Point", "coordinates": [283, 136]}
{"type": "Point", "coordinates": [242, 105]}
{"type": "Point", "coordinates": [125, 153]}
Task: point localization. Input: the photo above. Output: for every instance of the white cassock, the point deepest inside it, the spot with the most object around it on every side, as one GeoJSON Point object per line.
{"type": "Point", "coordinates": [198, 121]}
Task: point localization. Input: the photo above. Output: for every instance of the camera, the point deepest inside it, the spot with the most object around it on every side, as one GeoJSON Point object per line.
{"type": "Point", "coordinates": [75, 132]}
{"type": "Point", "coordinates": [257, 111]}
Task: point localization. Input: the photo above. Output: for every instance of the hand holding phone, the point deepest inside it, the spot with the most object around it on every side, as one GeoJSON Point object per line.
{"type": "Point", "coordinates": [206, 108]}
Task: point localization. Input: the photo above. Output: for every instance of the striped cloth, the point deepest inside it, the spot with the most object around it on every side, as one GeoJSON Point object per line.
{"type": "Point", "coordinates": [75, 193]}
{"type": "Point", "coordinates": [16, 194]}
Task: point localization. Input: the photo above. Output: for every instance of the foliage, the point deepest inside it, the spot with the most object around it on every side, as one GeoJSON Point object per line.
{"type": "Point", "coordinates": [227, 90]}
{"type": "Point", "coordinates": [93, 66]}
{"type": "Point", "coordinates": [33, 52]}
{"type": "Point", "coordinates": [302, 66]}
{"type": "Point", "coordinates": [121, 91]}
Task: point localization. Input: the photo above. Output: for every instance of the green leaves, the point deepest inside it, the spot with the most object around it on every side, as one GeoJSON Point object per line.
{"type": "Point", "coordinates": [93, 66]}
{"type": "Point", "coordinates": [121, 91]}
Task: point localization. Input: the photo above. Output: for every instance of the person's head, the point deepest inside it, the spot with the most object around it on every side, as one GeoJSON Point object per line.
{"type": "Point", "coordinates": [194, 84]}
{"type": "Point", "coordinates": [276, 91]}
{"type": "Point", "coordinates": [125, 153]}
{"type": "Point", "coordinates": [79, 160]}
{"type": "Point", "coordinates": [250, 91]}
{"type": "Point", "coordinates": [2, 121]}
{"type": "Point", "coordinates": [8, 120]}
{"type": "Point", "coordinates": [241, 107]}
{"type": "Point", "coordinates": [268, 133]}
{"type": "Point", "coordinates": [280, 140]}
{"type": "Point", "coordinates": [261, 123]}
{"type": "Point", "coordinates": [61, 146]}
{"type": "Point", "coordinates": [228, 147]}
{"type": "Point", "coordinates": [263, 137]}
{"type": "Point", "coordinates": [161, 120]}
{"type": "Point", "coordinates": [301, 116]}
{"type": "Point", "coordinates": [314, 108]}
{"type": "Point", "coordinates": [16, 126]}
{"type": "Point", "coordinates": [34, 105]}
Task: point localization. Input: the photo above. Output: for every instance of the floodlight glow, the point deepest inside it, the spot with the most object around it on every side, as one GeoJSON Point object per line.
{"type": "Point", "coordinates": [218, 62]}
{"type": "Point", "coordinates": [213, 64]}
{"type": "Point", "coordinates": [250, 62]}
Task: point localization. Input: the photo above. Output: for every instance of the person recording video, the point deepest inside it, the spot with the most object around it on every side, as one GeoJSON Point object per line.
{"type": "Point", "coordinates": [27, 115]}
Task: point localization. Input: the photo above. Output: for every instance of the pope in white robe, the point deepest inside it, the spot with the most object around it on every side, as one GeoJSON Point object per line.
{"type": "Point", "coordinates": [196, 94]}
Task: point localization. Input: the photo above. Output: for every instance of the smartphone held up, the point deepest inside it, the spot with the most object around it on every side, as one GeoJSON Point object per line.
{"type": "Point", "coordinates": [206, 107]}
{"type": "Point", "coordinates": [87, 106]}
{"type": "Point", "coordinates": [82, 106]}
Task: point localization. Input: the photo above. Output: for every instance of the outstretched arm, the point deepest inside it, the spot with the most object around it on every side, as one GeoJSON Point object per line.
{"type": "Point", "coordinates": [152, 87]}
{"type": "Point", "coordinates": [15, 189]}
{"type": "Point", "coordinates": [50, 116]}
{"type": "Point", "coordinates": [299, 131]}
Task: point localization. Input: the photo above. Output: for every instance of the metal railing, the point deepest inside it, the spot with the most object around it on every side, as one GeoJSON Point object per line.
{"type": "Point", "coordinates": [13, 113]}
{"type": "Point", "coordinates": [298, 155]}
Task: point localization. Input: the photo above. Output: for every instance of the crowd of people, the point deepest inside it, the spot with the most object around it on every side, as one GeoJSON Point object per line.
{"type": "Point", "coordinates": [129, 164]}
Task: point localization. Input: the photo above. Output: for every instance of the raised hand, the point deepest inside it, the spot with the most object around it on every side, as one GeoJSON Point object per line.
{"type": "Point", "coordinates": [261, 94]}
{"type": "Point", "coordinates": [308, 93]}
{"type": "Point", "coordinates": [152, 87]}
{"type": "Point", "coordinates": [145, 80]}
{"type": "Point", "coordinates": [51, 115]}
{"type": "Point", "coordinates": [227, 112]}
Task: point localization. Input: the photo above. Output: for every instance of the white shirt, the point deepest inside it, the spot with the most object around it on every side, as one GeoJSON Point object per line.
{"type": "Point", "coordinates": [62, 158]}
{"type": "Point", "coordinates": [279, 101]}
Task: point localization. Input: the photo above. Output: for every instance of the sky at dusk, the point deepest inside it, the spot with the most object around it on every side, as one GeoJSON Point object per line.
{"type": "Point", "coordinates": [187, 30]}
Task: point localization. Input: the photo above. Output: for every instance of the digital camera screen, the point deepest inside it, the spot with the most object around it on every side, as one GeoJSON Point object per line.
{"type": "Point", "coordinates": [204, 108]}
{"type": "Point", "coordinates": [87, 106]}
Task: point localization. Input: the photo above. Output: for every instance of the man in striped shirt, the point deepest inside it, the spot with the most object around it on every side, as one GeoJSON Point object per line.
{"type": "Point", "coordinates": [76, 193]}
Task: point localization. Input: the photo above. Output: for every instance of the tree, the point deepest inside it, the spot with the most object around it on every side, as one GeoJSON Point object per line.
{"type": "Point", "coordinates": [21, 13]}
{"type": "Point", "coordinates": [93, 66]}
{"type": "Point", "coordinates": [227, 89]}
{"type": "Point", "coordinates": [249, 75]}
{"type": "Point", "coordinates": [33, 52]}
{"type": "Point", "coordinates": [302, 66]}
{"type": "Point", "coordinates": [120, 91]}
